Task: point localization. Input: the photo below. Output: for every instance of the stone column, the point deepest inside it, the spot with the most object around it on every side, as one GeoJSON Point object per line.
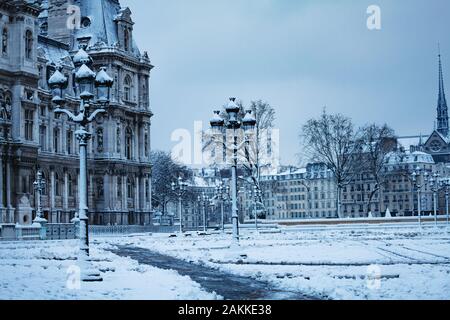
{"type": "Point", "coordinates": [143, 193]}
{"type": "Point", "coordinates": [124, 194]}
{"type": "Point", "coordinates": [149, 141]}
{"type": "Point", "coordinates": [141, 143]}
{"type": "Point", "coordinates": [136, 194]}
{"type": "Point", "coordinates": [36, 125]}
{"type": "Point", "coordinates": [10, 218]}
{"type": "Point", "coordinates": [107, 191]}
{"type": "Point", "coordinates": [2, 203]}
{"type": "Point", "coordinates": [64, 138]}
{"type": "Point", "coordinates": [66, 192]}
{"type": "Point", "coordinates": [50, 129]}
{"type": "Point", "coordinates": [113, 195]}
{"type": "Point", "coordinates": [52, 194]}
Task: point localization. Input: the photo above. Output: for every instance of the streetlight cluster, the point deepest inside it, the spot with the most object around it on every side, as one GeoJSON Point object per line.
{"type": "Point", "coordinates": [94, 89]}
{"type": "Point", "coordinates": [421, 179]}
{"type": "Point", "coordinates": [179, 188]}
{"type": "Point", "coordinates": [223, 195]}
{"type": "Point", "coordinates": [235, 122]}
{"type": "Point", "coordinates": [204, 200]}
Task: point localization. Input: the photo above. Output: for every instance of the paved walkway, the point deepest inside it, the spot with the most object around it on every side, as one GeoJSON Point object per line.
{"type": "Point", "coordinates": [229, 286]}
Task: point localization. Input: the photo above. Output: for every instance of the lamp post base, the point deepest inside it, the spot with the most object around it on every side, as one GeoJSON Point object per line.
{"type": "Point", "coordinates": [93, 276]}
{"type": "Point", "coordinates": [88, 272]}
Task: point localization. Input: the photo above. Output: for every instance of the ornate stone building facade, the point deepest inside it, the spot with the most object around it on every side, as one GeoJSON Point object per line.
{"type": "Point", "coordinates": [37, 36]}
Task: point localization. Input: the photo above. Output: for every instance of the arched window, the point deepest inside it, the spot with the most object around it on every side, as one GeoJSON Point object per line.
{"type": "Point", "coordinates": [130, 190]}
{"type": "Point", "coordinates": [29, 44]}
{"type": "Point", "coordinates": [147, 189]}
{"type": "Point", "coordinates": [119, 187]}
{"type": "Point", "coordinates": [126, 40]}
{"type": "Point", "coordinates": [146, 144]}
{"type": "Point", "coordinates": [118, 140]}
{"type": "Point", "coordinates": [128, 143]}
{"type": "Point", "coordinates": [127, 85]}
{"type": "Point", "coordinates": [69, 142]}
{"type": "Point", "coordinates": [70, 183]}
{"type": "Point", "coordinates": [45, 189]}
{"type": "Point", "coordinates": [5, 41]}
{"type": "Point", "coordinates": [56, 140]}
{"type": "Point", "coordinates": [57, 185]}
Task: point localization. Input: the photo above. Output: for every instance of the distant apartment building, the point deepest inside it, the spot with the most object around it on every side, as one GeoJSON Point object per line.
{"type": "Point", "coordinates": [396, 191]}
{"type": "Point", "coordinates": [304, 193]}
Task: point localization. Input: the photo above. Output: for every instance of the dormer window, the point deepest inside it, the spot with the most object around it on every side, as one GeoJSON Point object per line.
{"type": "Point", "coordinates": [29, 44]}
{"type": "Point", "coordinates": [126, 39]}
{"type": "Point", "coordinates": [44, 28]}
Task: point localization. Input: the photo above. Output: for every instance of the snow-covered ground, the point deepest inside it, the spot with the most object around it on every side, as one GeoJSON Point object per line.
{"type": "Point", "coordinates": [47, 270]}
{"type": "Point", "coordinates": [330, 263]}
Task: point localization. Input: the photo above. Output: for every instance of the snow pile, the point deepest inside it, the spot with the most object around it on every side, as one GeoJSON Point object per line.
{"type": "Point", "coordinates": [42, 270]}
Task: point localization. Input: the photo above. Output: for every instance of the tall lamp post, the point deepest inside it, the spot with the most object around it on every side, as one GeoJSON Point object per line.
{"type": "Point", "coordinates": [417, 181]}
{"type": "Point", "coordinates": [222, 194]}
{"type": "Point", "coordinates": [446, 185]}
{"type": "Point", "coordinates": [39, 186]}
{"type": "Point", "coordinates": [180, 188]}
{"type": "Point", "coordinates": [235, 122]}
{"type": "Point", "coordinates": [94, 91]}
{"type": "Point", "coordinates": [256, 200]}
{"type": "Point", "coordinates": [204, 200]}
{"type": "Point", "coordinates": [434, 185]}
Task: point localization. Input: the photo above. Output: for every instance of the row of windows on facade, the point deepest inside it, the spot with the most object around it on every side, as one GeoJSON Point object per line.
{"type": "Point", "coordinates": [28, 43]}
{"type": "Point", "coordinates": [71, 182]}
{"type": "Point", "coordinates": [315, 205]}
{"type": "Point", "coordinates": [299, 215]}
{"type": "Point", "coordinates": [29, 130]}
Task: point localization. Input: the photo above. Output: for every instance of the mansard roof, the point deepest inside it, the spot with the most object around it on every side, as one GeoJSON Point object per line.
{"type": "Point", "coordinates": [103, 29]}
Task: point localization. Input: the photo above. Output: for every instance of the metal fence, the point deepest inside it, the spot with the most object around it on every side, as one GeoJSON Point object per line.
{"type": "Point", "coordinates": [60, 231]}
{"type": "Point", "coordinates": [121, 230]}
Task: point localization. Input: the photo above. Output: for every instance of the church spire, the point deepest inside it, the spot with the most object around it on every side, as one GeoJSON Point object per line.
{"type": "Point", "coordinates": [442, 109]}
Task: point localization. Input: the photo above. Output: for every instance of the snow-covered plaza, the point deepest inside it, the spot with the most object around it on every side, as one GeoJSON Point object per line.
{"type": "Point", "coordinates": [336, 262]}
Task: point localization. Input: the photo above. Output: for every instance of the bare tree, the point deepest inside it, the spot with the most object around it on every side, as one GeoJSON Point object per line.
{"type": "Point", "coordinates": [165, 171]}
{"type": "Point", "coordinates": [331, 139]}
{"type": "Point", "coordinates": [378, 142]}
{"type": "Point", "coordinates": [265, 120]}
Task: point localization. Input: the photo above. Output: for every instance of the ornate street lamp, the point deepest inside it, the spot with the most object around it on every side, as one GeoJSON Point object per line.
{"type": "Point", "coordinates": [39, 186]}
{"type": "Point", "coordinates": [57, 84]}
{"type": "Point", "coordinates": [222, 194]}
{"type": "Point", "coordinates": [416, 179]}
{"type": "Point", "coordinates": [103, 83]}
{"type": "Point", "coordinates": [203, 200]}
{"type": "Point", "coordinates": [87, 81]}
{"type": "Point", "coordinates": [179, 188]}
{"type": "Point", "coordinates": [247, 124]}
{"type": "Point", "coordinates": [446, 185]}
{"type": "Point", "coordinates": [256, 198]}
{"type": "Point", "coordinates": [434, 185]}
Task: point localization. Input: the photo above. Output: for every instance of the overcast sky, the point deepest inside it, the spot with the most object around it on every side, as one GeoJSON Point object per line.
{"type": "Point", "coordinates": [299, 56]}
